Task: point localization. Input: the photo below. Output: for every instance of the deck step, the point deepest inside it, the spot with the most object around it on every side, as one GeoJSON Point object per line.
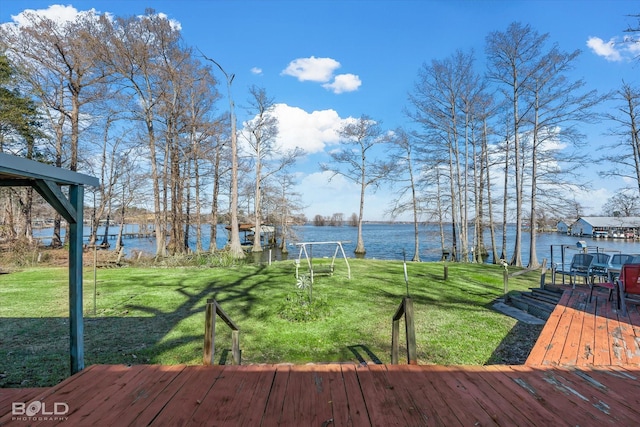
{"type": "Point", "coordinates": [534, 306]}
{"type": "Point", "coordinates": [545, 296]}
{"type": "Point", "coordinates": [530, 299]}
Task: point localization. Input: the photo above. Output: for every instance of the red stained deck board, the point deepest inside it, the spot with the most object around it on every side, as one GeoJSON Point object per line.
{"type": "Point", "coordinates": [587, 337]}
{"type": "Point", "coordinates": [277, 395]}
{"type": "Point", "coordinates": [335, 389]}
{"type": "Point", "coordinates": [422, 388]}
{"type": "Point", "coordinates": [384, 405]}
{"type": "Point", "coordinates": [308, 400]}
{"type": "Point", "coordinates": [572, 334]}
{"type": "Point", "coordinates": [409, 378]}
{"type": "Point", "coordinates": [602, 347]}
{"type": "Point", "coordinates": [238, 397]}
{"type": "Point", "coordinates": [189, 393]}
{"type": "Point", "coordinates": [23, 395]}
{"type": "Point", "coordinates": [556, 347]}
{"type": "Point", "coordinates": [550, 393]}
{"type": "Point", "coordinates": [99, 402]}
{"type": "Point", "coordinates": [630, 344]}
{"type": "Point", "coordinates": [483, 392]}
{"type": "Point", "coordinates": [227, 398]}
{"type": "Point", "coordinates": [357, 407]}
{"type": "Point", "coordinates": [598, 395]}
{"type": "Point", "coordinates": [394, 395]}
{"type": "Point", "coordinates": [504, 389]}
{"type": "Point", "coordinates": [633, 311]}
{"type": "Point", "coordinates": [138, 396]}
{"type": "Point", "coordinates": [615, 329]}
{"type": "Point", "coordinates": [543, 343]}
{"type": "Point", "coordinates": [457, 396]}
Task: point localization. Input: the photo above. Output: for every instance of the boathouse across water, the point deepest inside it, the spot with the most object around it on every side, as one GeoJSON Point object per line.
{"type": "Point", "coordinates": [605, 226]}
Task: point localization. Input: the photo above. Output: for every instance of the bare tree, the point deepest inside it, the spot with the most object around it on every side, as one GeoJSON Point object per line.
{"type": "Point", "coordinates": [625, 202]}
{"type": "Point", "coordinates": [513, 55]}
{"type": "Point", "coordinates": [235, 248]}
{"type": "Point", "coordinates": [62, 66]}
{"type": "Point", "coordinates": [407, 199]}
{"type": "Point", "coordinates": [358, 165]}
{"type": "Point", "coordinates": [260, 133]}
{"type": "Point", "coordinates": [624, 153]}
{"type": "Point", "coordinates": [443, 98]}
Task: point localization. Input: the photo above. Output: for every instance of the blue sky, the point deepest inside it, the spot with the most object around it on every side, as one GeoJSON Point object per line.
{"type": "Point", "coordinates": [326, 61]}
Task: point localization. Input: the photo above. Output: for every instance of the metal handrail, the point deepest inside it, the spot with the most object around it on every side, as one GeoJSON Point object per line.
{"type": "Point", "coordinates": [213, 309]}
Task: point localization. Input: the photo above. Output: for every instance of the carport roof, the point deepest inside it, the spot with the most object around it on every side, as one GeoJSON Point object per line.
{"type": "Point", "coordinates": [21, 169]}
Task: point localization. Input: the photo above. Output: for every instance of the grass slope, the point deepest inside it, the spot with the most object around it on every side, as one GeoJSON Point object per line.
{"type": "Point", "coordinates": [156, 315]}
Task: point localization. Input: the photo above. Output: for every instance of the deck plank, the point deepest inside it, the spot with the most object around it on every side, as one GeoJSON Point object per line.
{"type": "Point", "coordinates": [357, 407]}
{"type": "Point", "coordinates": [334, 381]}
{"type": "Point", "coordinates": [306, 400]}
{"type": "Point", "coordinates": [458, 396]}
{"type": "Point", "coordinates": [630, 345]}
{"type": "Point", "coordinates": [539, 350]}
{"type": "Point", "coordinates": [384, 405]}
{"type": "Point", "coordinates": [277, 395]}
{"type": "Point", "coordinates": [99, 403]}
{"type": "Point", "coordinates": [409, 379]}
{"type": "Point", "coordinates": [553, 395]}
{"type": "Point", "coordinates": [394, 395]}
{"type": "Point", "coordinates": [614, 332]}
{"type": "Point", "coordinates": [587, 337]}
{"type": "Point", "coordinates": [602, 346]}
{"type": "Point", "coordinates": [24, 395]}
{"type": "Point", "coordinates": [555, 347]}
{"type": "Point", "coordinates": [240, 393]}
{"type": "Point", "coordinates": [598, 395]}
{"type": "Point", "coordinates": [572, 334]}
{"type": "Point", "coordinates": [507, 389]}
{"type": "Point", "coordinates": [186, 395]}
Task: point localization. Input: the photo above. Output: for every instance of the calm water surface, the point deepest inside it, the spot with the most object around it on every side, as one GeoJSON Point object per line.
{"type": "Point", "coordinates": [390, 241]}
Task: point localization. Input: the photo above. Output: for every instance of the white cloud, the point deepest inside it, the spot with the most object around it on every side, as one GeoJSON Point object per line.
{"type": "Point", "coordinates": [607, 50]}
{"type": "Point", "coordinates": [57, 13]}
{"type": "Point", "coordinates": [309, 131]}
{"type": "Point", "coordinates": [344, 83]}
{"type": "Point", "coordinates": [312, 69]}
{"type": "Point", "coordinates": [256, 70]}
{"type": "Point", "coordinates": [633, 46]}
{"type": "Point", "coordinates": [615, 50]}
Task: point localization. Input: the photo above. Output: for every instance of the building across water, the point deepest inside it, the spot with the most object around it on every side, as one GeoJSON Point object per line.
{"type": "Point", "coordinates": [624, 227]}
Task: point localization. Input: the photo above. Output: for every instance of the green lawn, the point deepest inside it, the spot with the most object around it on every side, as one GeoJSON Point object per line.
{"type": "Point", "coordinates": [156, 315]}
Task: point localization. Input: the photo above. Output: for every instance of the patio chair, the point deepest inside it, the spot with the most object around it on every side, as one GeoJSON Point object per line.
{"type": "Point", "coordinates": [600, 266]}
{"type": "Point", "coordinates": [580, 267]}
{"type": "Point", "coordinates": [613, 269]}
{"type": "Point", "coordinates": [629, 285]}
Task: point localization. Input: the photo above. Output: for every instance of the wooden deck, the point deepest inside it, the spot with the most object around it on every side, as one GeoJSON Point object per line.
{"type": "Point", "coordinates": [339, 395]}
{"type": "Point", "coordinates": [580, 333]}
{"type": "Point", "coordinates": [584, 370]}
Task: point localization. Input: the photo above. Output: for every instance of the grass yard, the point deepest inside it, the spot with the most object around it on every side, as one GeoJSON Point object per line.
{"type": "Point", "coordinates": [156, 315]}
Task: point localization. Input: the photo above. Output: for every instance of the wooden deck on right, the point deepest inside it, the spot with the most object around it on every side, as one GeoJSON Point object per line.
{"type": "Point", "coordinates": [583, 333]}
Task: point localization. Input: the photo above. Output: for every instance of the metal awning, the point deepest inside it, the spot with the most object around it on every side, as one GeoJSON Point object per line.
{"type": "Point", "coordinates": [46, 180]}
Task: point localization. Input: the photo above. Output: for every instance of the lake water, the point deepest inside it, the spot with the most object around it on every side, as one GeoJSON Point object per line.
{"type": "Point", "coordinates": [390, 241]}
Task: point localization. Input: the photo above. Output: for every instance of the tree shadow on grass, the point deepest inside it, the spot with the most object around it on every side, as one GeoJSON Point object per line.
{"type": "Point", "coordinates": [34, 352]}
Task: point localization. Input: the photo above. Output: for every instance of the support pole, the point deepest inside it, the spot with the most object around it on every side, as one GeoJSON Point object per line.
{"type": "Point", "coordinates": [76, 322]}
